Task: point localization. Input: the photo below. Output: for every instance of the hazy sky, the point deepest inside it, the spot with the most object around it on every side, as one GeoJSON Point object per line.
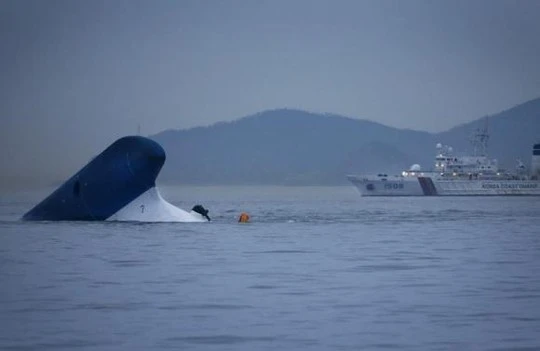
{"type": "Point", "coordinates": [75, 75]}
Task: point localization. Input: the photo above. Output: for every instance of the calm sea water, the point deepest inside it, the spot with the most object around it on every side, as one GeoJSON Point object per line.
{"type": "Point", "coordinates": [316, 269]}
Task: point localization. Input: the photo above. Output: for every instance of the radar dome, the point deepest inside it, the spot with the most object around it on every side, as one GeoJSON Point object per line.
{"type": "Point", "coordinates": [438, 146]}
{"type": "Point", "coordinates": [415, 167]}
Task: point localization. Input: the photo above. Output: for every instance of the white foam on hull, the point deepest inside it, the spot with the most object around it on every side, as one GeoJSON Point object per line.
{"type": "Point", "coordinates": [151, 207]}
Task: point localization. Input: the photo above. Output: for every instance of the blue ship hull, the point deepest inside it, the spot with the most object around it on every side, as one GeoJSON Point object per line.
{"type": "Point", "coordinates": [120, 174]}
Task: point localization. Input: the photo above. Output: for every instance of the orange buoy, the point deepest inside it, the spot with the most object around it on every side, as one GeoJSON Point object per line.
{"type": "Point", "coordinates": [244, 218]}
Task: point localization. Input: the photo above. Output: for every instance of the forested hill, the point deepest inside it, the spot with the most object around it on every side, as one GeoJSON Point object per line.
{"type": "Point", "coordinates": [295, 147]}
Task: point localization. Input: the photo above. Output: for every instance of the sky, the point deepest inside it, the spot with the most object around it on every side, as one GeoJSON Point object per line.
{"type": "Point", "coordinates": [75, 75]}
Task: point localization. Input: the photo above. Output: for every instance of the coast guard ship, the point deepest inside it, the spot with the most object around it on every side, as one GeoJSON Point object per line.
{"type": "Point", "coordinates": [456, 176]}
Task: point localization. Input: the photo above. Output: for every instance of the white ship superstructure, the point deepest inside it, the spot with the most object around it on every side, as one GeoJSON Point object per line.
{"type": "Point", "coordinates": [456, 176]}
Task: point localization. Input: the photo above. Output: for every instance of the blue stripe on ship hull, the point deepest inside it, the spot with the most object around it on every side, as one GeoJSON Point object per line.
{"type": "Point", "coordinates": [428, 188]}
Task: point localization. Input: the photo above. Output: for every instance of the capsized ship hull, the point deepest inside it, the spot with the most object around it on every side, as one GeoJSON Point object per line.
{"type": "Point", "coordinates": [118, 184]}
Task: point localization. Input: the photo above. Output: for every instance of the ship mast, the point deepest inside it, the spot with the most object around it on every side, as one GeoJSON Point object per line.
{"type": "Point", "coordinates": [480, 140]}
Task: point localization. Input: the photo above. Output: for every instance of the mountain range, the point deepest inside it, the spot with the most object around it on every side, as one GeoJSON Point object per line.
{"type": "Point", "coordinates": [294, 147]}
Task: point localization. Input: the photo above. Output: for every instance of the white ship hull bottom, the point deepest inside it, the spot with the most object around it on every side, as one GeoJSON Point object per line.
{"type": "Point", "coordinates": [151, 207]}
{"type": "Point", "coordinates": [426, 186]}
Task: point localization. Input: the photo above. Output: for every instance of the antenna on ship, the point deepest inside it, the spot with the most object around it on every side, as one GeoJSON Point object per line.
{"type": "Point", "coordinates": [480, 139]}
{"type": "Point", "coordinates": [139, 129]}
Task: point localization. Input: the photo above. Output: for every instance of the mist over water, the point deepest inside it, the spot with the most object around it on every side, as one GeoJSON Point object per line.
{"type": "Point", "coordinates": [318, 268]}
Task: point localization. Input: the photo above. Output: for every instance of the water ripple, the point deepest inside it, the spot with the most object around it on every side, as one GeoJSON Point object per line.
{"type": "Point", "coordinates": [205, 307]}
{"type": "Point", "coordinates": [220, 339]}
